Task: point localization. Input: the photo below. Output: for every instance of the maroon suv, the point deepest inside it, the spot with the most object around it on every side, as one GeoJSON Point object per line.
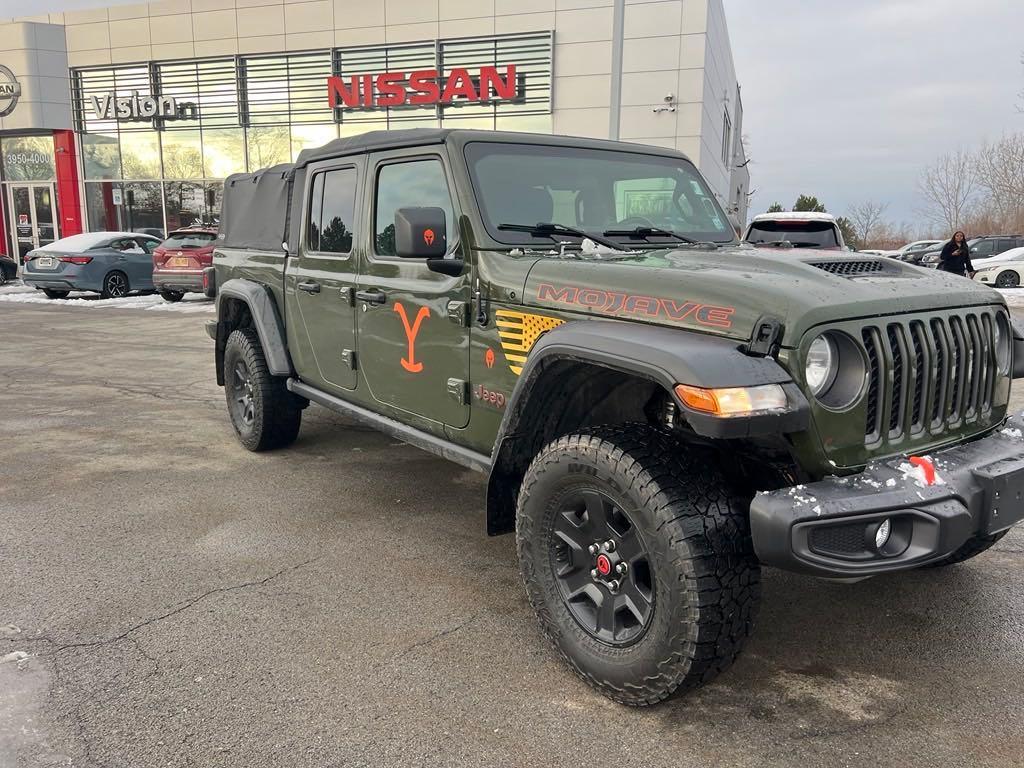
{"type": "Point", "coordinates": [179, 261]}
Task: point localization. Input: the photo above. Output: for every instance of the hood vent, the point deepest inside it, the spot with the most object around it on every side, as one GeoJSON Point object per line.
{"type": "Point", "coordinates": [850, 267]}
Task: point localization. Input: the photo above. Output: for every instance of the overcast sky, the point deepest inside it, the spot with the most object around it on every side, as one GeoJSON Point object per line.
{"type": "Point", "coordinates": [850, 100]}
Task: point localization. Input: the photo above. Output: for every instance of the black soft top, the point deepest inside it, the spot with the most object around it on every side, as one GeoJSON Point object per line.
{"type": "Point", "coordinates": [372, 141]}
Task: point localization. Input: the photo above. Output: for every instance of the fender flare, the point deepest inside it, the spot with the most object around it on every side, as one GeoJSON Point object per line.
{"type": "Point", "coordinates": [665, 356]}
{"type": "Point", "coordinates": [265, 318]}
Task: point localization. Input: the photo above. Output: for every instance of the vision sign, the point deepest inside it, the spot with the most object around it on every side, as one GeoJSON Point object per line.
{"type": "Point", "coordinates": [10, 91]}
{"type": "Point", "coordinates": [425, 86]}
{"type": "Point", "coordinates": [138, 108]}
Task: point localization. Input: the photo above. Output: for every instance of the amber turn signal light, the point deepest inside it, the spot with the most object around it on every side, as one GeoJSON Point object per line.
{"type": "Point", "coordinates": [734, 401]}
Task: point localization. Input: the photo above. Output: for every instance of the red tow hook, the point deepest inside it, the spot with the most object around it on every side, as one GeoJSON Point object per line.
{"type": "Point", "coordinates": [927, 466]}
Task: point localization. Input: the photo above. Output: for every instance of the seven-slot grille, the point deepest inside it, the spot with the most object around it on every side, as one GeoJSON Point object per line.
{"type": "Point", "coordinates": [927, 374]}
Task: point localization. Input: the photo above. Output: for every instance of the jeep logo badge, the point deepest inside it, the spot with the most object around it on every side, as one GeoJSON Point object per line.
{"type": "Point", "coordinates": [10, 91]}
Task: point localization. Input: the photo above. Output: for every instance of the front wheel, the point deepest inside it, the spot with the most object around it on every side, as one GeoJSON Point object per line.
{"type": "Point", "coordinates": [115, 286]}
{"type": "Point", "coordinates": [172, 296]}
{"type": "Point", "coordinates": [638, 561]}
{"type": "Point", "coordinates": [263, 412]}
{"type": "Point", "coordinates": [1008, 279]}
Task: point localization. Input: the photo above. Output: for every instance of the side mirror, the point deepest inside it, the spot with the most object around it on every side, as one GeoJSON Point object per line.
{"type": "Point", "coordinates": [420, 233]}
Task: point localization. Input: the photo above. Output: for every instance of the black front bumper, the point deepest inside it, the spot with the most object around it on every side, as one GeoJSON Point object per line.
{"type": "Point", "coordinates": [828, 528]}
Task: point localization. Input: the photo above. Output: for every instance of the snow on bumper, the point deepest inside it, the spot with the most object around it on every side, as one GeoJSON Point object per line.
{"type": "Point", "coordinates": [933, 504]}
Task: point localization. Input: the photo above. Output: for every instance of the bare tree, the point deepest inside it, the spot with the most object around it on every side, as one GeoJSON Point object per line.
{"type": "Point", "coordinates": [948, 187]}
{"type": "Point", "coordinates": [999, 168]}
{"type": "Point", "coordinates": [866, 218]}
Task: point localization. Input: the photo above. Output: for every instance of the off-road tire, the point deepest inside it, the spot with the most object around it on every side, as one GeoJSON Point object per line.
{"type": "Point", "coordinates": [172, 296]}
{"type": "Point", "coordinates": [276, 412]}
{"type": "Point", "coordinates": [971, 548]}
{"type": "Point", "coordinates": [52, 294]}
{"type": "Point", "coordinates": [115, 285]}
{"type": "Point", "coordinates": [696, 531]}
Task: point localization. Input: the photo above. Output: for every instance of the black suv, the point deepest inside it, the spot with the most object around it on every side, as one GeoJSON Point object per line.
{"type": "Point", "coordinates": [981, 248]}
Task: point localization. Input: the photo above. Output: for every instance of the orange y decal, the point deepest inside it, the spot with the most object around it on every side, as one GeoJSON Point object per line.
{"type": "Point", "coordinates": [410, 364]}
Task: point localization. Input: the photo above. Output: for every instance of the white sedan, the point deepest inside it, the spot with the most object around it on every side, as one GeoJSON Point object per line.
{"type": "Point", "coordinates": [1003, 271]}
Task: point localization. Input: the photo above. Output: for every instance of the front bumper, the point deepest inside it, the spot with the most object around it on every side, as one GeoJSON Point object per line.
{"type": "Point", "coordinates": [178, 280]}
{"type": "Point", "coordinates": [828, 528]}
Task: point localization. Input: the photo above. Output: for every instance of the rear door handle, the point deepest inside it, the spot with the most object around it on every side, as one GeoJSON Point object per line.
{"type": "Point", "coordinates": [309, 287]}
{"type": "Point", "coordinates": [372, 297]}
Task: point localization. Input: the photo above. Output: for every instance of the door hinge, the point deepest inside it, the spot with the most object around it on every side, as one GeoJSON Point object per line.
{"type": "Point", "coordinates": [457, 390]}
{"type": "Point", "coordinates": [457, 313]}
{"type": "Point", "coordinates": [347, 295]}
{"type": "Point", "coordinates": [348, 356]}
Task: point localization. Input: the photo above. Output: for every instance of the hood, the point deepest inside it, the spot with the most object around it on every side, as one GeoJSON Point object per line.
{"type": "Point", "coordinates": [726, 291]}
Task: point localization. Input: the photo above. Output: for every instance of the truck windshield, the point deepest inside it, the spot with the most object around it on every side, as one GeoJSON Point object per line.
{"type": "Point", "coordinates": [800, 234]}
{"type": "Point", "coordinates": [661, 201]}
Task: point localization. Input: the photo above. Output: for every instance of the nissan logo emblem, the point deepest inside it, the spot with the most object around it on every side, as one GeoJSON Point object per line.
{"type": "Point", "coordinates": [10, 90]}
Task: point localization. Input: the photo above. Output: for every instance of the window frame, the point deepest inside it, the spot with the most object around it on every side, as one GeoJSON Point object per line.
{"type": "Point", "coordinates": [379, 166]}
{"type": "Point", "coordinates": [312, 172]}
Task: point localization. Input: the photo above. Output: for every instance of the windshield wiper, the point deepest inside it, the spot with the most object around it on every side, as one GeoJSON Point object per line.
{"type": "Point", "coordinates": [644, 233]}
{"type": "Point", "coordinates": [547, 229]}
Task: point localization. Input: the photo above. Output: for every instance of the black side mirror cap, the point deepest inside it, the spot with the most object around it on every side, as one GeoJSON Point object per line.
{"type": "Point", "coordinates": [420, 233]}
{"type": "Point", "coordinates": [450, 267]}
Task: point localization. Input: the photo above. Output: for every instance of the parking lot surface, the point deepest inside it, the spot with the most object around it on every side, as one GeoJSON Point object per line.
{"type": "Point", "coordinates": [168, 599]}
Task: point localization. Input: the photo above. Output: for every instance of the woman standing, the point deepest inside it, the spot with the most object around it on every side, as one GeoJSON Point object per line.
{"type": "Point", "coordinates": [956, 256]}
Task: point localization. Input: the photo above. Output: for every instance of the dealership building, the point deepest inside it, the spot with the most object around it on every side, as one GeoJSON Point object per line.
{"type": "Point", "coordinates": [129, 117]}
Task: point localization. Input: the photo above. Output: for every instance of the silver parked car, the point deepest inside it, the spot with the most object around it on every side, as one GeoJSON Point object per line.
{"type": "Point", "coordinates": [108, 263]}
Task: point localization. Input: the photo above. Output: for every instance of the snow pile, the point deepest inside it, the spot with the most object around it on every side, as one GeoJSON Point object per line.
{"type": "Point", "coordinates": [13, 656]}
{"type": "Point", "coordinates": [1014, 296]}
{"type": "Point", "coordinates": [918, 474]}
{"type": "Point", "coordinates": [193, 303]}
{"type": "Point", "coordinates": [1014, 433]}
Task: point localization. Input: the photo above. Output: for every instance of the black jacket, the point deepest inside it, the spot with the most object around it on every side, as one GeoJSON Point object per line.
{"type": "Point", "coordinates": [956, 258]}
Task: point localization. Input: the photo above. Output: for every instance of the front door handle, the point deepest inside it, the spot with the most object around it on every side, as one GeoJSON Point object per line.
{"type": "Point", "coordinates": [309, 287]}
{"type": "Point", "coordinates": [372, 297]}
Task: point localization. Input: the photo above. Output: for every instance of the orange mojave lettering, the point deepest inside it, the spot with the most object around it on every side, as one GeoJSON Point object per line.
{"type": "Point", "coordinates": [614, 303]}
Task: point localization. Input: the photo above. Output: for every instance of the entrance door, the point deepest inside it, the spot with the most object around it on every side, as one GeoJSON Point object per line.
{"type": "Point", "coordinates": [33, 210]}
{"type": "Point", "coordinates": [413, 339]}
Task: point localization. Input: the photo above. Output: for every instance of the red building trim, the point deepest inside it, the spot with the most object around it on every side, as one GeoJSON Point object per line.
{"type": "Point", "coordinates": [69, 197]}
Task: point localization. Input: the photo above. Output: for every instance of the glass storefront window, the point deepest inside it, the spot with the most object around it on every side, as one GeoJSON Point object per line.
{"type": "Point", "coordinates": [142, 208]}
{"type": "Point", "coordinates": [101, 156]}
{"type": "Point", "coordinates": [193, 204]}
{"type": "Point", "coordinates": [268, 146]}
{"type": "Point", "coordinates": [223, 152]}
{"type": "Point", "coordinates": [27, 158]}
{"type": "Point", "coordinates": [140, 155]}
{"type": "Point", "coordinates": [102, 203]}
{"type": "Point", "coordinates": [183, 154]}
{"type": "Point", "coordinates": [304, 136]}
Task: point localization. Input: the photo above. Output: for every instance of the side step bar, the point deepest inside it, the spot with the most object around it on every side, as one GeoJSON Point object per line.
{"type": "Point", "coordinates": [415, 437]}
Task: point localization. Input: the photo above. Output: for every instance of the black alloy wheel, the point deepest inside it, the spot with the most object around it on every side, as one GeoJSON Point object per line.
{"type": "Point", "coordinates": [115, 286]}
{"type": "Point", "coordinates": [1007, 279]}
{"type": "Point", "coordinates": [240, 385]}
{"type": "Point", "coordinates": [602, 568]}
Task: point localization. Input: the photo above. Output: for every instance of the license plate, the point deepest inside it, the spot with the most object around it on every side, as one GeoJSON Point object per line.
{"type": "Point", "coordinates": [44, 263]}
{"type": "Point", "coordinates": [1003, 483]}
{"type": "Point", "coordinates": [179, 261]}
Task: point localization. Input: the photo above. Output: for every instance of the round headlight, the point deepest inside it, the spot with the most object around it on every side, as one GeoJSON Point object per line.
{"type": "Point", "coordinates": [1003, 339]}
{"type": "Point", "coordinates": [820, 366]}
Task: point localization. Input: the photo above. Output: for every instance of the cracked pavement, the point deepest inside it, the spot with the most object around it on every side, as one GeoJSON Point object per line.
{"type": "Point", "coordinates": [185, 603]}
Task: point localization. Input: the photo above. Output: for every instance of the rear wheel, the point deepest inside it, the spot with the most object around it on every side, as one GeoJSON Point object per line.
{"type": "Point", "coordinates": [1008, 279]}
{"type": "Point", "coordinates": [263, 412]}
{"type": "Point", "coordinates": [115, 286]}
{"type": "Point", "coordinates": [52, 294]}
{"type": "Point", "coordinates": [971, 548]}
{"type": "Point", "coordinates": [638, 561]}
{"type": "Point", "coordinates": [172, 296]}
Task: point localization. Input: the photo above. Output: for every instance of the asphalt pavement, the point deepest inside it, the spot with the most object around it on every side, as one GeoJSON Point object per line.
{"type": "Point", "coordinates": [169, 599]}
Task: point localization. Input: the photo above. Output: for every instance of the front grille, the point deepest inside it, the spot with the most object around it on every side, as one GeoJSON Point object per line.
{"type": "Point", "coordinates": [849, 267]}
{"type": "Point", "coordinates": [928, 375]}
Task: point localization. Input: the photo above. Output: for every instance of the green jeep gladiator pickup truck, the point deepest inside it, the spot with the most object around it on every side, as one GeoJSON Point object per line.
{"type": "Point", "coordinates": [660, 409]}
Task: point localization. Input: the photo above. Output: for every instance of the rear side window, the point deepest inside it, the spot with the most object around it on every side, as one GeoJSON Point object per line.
{"type": "Point", "coordinates": [407, 185]}
{"type": "Point", "coordinates": [332, 208]}
{"type": "Point", "coordinates": [189, 240]}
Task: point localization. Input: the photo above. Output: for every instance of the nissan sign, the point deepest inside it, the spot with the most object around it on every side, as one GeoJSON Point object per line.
{"type": "Point", "coordinates": [425, 86]}
{"type": "Point", "coordinates": [10, 91]}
